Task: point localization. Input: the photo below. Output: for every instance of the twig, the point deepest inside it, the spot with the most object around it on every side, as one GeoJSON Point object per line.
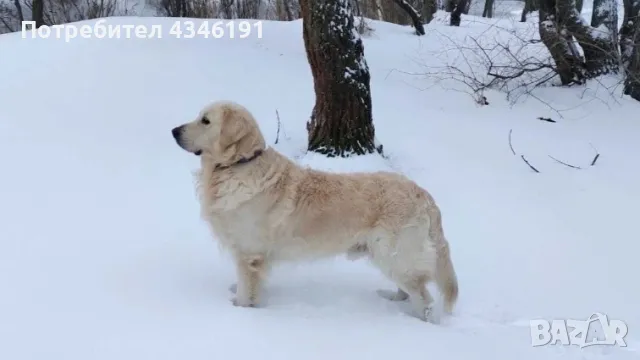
{"type": "Point", "coordinates": [510, 145]}
{"type": "Point", "coordinates": [278, 133]}
{"type": "Point", "coordinates": [564, 163]}
{"type": "Point", "coordinates": [593, 162]}
{"type": "Point", "coordinates": [546, 119]}
{"type": "Point", "coordinates": [525, 160]}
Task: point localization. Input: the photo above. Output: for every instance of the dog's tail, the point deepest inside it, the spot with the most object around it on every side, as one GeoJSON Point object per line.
{"type": "Point", "coordinates": [445, 276]}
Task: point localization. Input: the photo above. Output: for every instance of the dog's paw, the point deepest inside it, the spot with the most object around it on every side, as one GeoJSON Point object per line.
{"type": "Point", "coordinates": [233, 288]}
{"type": "Point", "coordinates": [357, 251]}
{"type": "Point", "coordinates": [239, 302]}
{"type": "Point", "coordinates": [392, 295]}
{"type": "Point", "coordinates": [429, 315]}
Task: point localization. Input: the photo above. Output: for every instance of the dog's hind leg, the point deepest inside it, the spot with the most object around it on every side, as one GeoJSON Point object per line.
{"type": "Point", "coordinates": [421, 300]}
{"type": "Point", "coordinates": [399, 295]}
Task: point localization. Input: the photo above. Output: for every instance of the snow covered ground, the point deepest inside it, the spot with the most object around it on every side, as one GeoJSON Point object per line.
{"type": "Point", "coordinates": [103, 254]}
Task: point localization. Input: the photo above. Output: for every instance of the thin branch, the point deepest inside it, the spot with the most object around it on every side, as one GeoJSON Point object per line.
{"type": "Point", "coordinates": [510, 144]}
{"type": "Point", "coordinates": [593, 162]}
{"type": "Point", "coordinates": [564, 163]}
{"type": "Point", "coordinates": [531, 166]}
{"type": "Point", "coordinates": [278, 132]}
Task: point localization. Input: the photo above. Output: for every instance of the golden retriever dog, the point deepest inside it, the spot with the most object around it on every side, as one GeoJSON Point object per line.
{"type": "Point", "coordinates": [264, 209]}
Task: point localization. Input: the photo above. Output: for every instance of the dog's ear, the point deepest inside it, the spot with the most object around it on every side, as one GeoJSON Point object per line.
{"type": "Point", "coordinates": [233, 129]}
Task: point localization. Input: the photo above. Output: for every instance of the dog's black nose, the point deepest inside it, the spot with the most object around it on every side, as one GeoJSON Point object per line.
{"type": "Point", "coordinates": [176, 132]}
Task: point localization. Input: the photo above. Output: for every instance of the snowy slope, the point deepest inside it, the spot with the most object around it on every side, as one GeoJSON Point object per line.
{"type": "Point", "coordinates": [103, 254]}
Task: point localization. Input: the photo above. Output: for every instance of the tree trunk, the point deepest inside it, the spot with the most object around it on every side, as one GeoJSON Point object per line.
{"type": "Point", "coordinates": [459, 7]}
{"type": "Point", "coordinates": [429, 9]}
{"type": "Point", "coordinates": [631, 39]}
{"type": "Point", "coordinates": [600, 48]}
{"type": "Point", "coordinates": [378, 6]}
{"type": "Point", "coordinates": [568, 64]}
{"type": "Point", "coordinates": [341, 121]}
{"type": "Point", "coordinates": [529, 6]}
{"type": "Point", "coordinates": [628, 30]}
{"type": "Point", "coordinates": [415, 16]}
{"type": "Point", "coordinates": [467, 7]}
{"type": "Point", "coordinates": [604, 20]}
{"type": "Point", "coordinates": [37, 12]}
{"type": "Point", "coordinates": [488, 9]}
{"type": "Point", "coordinates": [19, 10]}
{"type": "Point", "coordinates": [450, 5]}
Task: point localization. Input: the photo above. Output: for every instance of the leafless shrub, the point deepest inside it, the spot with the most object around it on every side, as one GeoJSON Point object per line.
{"type": "Point", "coordinates": [57, 12]}
{"type": "Point", "coordinates": [513, 60]}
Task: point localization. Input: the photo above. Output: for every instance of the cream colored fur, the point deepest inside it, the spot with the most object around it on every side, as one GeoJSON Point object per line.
{"type": "Point", "coordinates": [270, 210]}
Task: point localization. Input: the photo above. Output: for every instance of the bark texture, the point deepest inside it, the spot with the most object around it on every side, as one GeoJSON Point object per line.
{"type": "Point", "coordinates": [628, 32]}
{"type": "Point", "coordinates": [413, 14]}
{"type": "Point", "coordinates": [458, 7]}
{"type": "Point", "coordinates": [568, 62]}
{"type": "Point", "coordinates": [529, 6]}
{"type": "Point", "coordinates": [631, 50]}
{"type": "Point", "coordinates": [37, 11]}
{"type": "Point", "coordinates": [341, 120]}
{"type": "Point", "coordinates": [600, 48]}
{"type": "Point", "coordinates": [429, 8]}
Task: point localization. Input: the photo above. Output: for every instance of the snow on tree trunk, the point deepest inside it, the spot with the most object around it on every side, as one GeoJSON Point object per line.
{"type": "Point", "coordinates": [604, 21]}
{"type": "Point", "coordinates": [529, 7]}
{"type": "Point", "coordinates": [598, 45]}
{"type": "Point", "coordinates": [341, 120]}
{"type": "Point", "coordinates": [568, 64]}
{"type": "Point", "coordinates": [413, 14]}
{"type": "Point", "coordinates": [379, 9]}
{"type": "Point", "coordinates": [459, 7]}
{"type": "Point", "coordinates": [631, 38]}
{"type": "Point", "coordinates": [628, 30]}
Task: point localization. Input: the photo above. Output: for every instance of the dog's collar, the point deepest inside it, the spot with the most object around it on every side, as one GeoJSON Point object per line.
{"type": "Point", "coordinates": [241, 161]}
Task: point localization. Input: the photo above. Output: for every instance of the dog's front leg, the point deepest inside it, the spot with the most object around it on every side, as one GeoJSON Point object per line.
{"type": "Point", "coordinates": [250, 272]}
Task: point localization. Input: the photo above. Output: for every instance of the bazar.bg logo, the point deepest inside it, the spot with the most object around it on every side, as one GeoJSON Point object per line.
{"type": "Point", "coordinates": [597, 328]}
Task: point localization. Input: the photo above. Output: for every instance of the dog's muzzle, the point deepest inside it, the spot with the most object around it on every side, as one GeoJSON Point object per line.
{"type": "Point", "coordinates": [177, 135]}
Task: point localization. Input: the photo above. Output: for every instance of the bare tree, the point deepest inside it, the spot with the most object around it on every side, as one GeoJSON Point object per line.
{"type": "Point", "coordinates": [628, 32]}
{"type": "Point", "coordinates": [457, 8]}
{"type": "Point", "coordinates": [226, 9]}
{"type": "Point", "coordinates": [341, 120]}
{"type": "Point", "coordinates": [248, 9]}
{"type": "Point", "coordinates": [566, 57]}
{"type": "Point", "coordinates": [630, 46]}
{"type": "Point", "coordinates": [19, 10]}
{"type": "Point", "coordinates": [413, 14]}
{"type": "Point", "coordinates": [287, 10]}
{"type": "Point", "coordinates": [600, 47]}
{"type": "Point", "coordinates": [488, 9]}
{"type": "Point", "coordinates": [37, 12]}
{"type": "Point", "coordinates": [529, 6]}
{"type": "Point", "coordinates": [429, 8]}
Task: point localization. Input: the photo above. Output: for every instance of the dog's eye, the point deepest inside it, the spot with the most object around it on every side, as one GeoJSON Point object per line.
{"type": "Point", "coordinates": [205, 121]}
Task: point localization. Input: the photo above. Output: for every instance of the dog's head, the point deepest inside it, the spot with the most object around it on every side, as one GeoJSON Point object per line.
{"type": "Point", "coordinates": [224, 132]}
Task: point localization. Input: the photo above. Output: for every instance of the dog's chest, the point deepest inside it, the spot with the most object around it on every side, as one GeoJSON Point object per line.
{"type": "Point", "coordinates": [240, 228]}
